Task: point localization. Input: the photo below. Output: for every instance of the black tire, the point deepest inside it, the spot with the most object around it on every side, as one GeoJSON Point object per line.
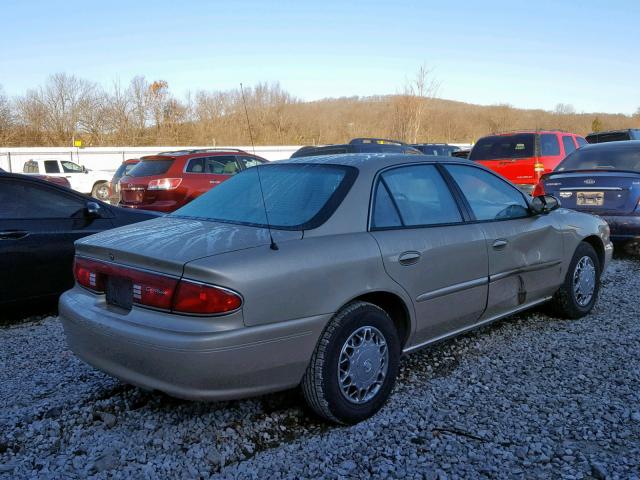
{"type": "Point", "coordinates": [564, 303]}
{"type": "Point", "coordinates": [101, 191]}
{"type": "Point", "coordinates": [320, 384]}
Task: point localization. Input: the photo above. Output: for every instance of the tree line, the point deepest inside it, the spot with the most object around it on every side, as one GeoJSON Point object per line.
{"type": "Point", "coordinates": [67, 108]}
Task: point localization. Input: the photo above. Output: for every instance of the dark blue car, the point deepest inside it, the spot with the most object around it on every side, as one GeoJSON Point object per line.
{"type": "Point", "coordinates": [358, 145]}
{"type": "Point", "coordinates": [602, 179]}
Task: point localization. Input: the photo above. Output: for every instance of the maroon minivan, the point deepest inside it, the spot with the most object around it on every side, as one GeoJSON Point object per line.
{"type": "Point", "coordinates": [169, 180]}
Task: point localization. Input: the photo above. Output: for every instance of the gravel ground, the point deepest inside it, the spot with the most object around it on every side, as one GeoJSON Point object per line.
{"type": "Point", "coordinates": [529, 397]}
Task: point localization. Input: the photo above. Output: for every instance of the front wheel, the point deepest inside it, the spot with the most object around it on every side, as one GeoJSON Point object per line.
{"type": "Point", "coordinates": [101, 191]}
{"type": "Point", "coordinates": [579, 292]}
{"type": "Point", "coordinates": [354, 366]}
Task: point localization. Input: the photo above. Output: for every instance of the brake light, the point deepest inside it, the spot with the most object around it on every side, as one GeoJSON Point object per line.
{"type": "Point", "coordinates": [87, 273]}
{"type": "Point", "coordinates": [156, 290]}
{"type": "Point", "coordinates": [164, 184]}
{"type": "Point", "coordinates": [538, 169]}
{"type": "Point", "coordinates": [538, 190]}
{"type": "Point", "coordinates": [198, 298]}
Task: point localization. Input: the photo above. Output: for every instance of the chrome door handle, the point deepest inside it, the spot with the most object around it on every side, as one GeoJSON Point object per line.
{"type": "Point", "coordinates": [500, 243]}
{"type": "Point", "coordinates": [409, 258]}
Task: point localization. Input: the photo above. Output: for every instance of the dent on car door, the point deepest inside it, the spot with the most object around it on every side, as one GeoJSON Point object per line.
{"type": "Point", "coordinates": [525, 250]}
{"type": "Point", "coordinates": [38, 226]}
{"type": "Point", "coordinates": [428, 249]}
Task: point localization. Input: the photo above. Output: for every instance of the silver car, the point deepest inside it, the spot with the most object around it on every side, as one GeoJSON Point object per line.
{"type": "Point", "coordinates": [322, 272]}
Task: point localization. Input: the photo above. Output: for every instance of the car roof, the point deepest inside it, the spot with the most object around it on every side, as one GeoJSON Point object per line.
{"type": "Point", "coordinates": [515, 132]}
{"type": "Point", "coordinates": [615, 146]}
{"type": "Point", "coordinates": [372, 162]}
{"type": "Point", "coordinates": [195, 152]}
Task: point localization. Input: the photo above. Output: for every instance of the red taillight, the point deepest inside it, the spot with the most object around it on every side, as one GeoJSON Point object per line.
{"type": "Point", "coordinates": [538, 190]}
{"type": "Point", "coordinates": [538, 170]}
{"type": "Point", "coordinates": [164, 184]}
{"type": "Point", "coordinates": [88, 274]}
{"type": "Point", "coordinates": [157, 290]}
{"type": "Point", "coordinates": [204, 299]}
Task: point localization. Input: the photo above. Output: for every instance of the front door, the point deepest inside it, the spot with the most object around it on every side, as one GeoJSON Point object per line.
{"type": "Point", "coordinates": [525, 250]}
{"type": "Point", "coordinates": [428, 249]}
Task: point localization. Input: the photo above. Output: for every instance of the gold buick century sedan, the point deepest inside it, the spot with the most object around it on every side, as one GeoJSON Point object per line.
{"type": "Point", "coordinates": [322, 272]}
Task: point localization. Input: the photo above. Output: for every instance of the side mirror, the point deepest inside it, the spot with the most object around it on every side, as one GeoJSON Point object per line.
{"type": "Point", "coordinates": [84, 169]}
{"type": "Point", "coordinates": [92, 210]}
{"type": "Point", "coordinates": [543, 204]}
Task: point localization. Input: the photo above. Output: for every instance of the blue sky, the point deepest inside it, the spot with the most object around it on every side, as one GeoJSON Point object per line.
{"type": "Point", "coordinates": [528, 54]}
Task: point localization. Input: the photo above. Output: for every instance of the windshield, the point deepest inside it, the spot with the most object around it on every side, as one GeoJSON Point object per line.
{"type": "Point", "coordinates": [150, 167]}
{"type": "Point", "coordinates": [520, 145]}
{"type": "Point", "coordinates": [602, 159]}
{"type": "Point", "coordinates": [296, 196]}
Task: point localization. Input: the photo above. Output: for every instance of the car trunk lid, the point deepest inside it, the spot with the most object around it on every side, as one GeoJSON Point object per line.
{"type": "Point", "coordinates": [166, 244]}
{"type": "Point", "coordinates": [596, 191]}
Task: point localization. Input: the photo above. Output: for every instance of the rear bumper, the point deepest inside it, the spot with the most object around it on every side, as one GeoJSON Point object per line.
{"type": "Point", "coordinates": [188, 357]}
{"type": "Point", "coordinates": [623, 227]}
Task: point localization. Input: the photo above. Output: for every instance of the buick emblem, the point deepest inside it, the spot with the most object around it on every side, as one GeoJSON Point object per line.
{"type": "Point", "coordinates": [589, 181]}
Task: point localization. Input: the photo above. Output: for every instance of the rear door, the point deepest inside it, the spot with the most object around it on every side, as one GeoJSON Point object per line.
{"type": "Point", "coordinates": [38, 225]}
{"type": "Point", "coordinates": [525, 250]}
{"type": "Point", "coordinates": [429, 250]}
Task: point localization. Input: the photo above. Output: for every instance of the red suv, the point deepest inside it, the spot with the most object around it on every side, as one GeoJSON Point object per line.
{"type": "Point", "coordinates": [169, 180]}
{"type": "Point", "coordinates": [524, 156]}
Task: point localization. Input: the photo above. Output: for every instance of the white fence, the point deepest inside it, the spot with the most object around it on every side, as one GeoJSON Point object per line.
{"type": "Point", "coordinates": [109, 158]}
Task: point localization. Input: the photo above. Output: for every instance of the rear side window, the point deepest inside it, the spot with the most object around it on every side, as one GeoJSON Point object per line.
{"type": "Point", "coordinates": [385, 213]}
{"type": "Point", "coordinates": [51, 166]}
{"type": "Point", "coordinates": [520, 145]}
{"type": "Point", "coordinates": [151, 167]}
{"type": "Point", "coordinates": [489, 197]}
{"type": "Point", "coordinates": [567, 143]}
{"type": "Point", "coordinates": [196, 165]}
{"type": "Point", "coordinates": [549, 145]}
{"type": "Point", "coordinates": [420, 195]}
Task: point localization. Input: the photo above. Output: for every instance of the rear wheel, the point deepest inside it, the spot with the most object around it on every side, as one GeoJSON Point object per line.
{"type": "Point", "coordinates": [579, 292]}
{"type": "Point", "coordinates": [354, 366]}
{"type": "Point", "coordinates": [101, 191]}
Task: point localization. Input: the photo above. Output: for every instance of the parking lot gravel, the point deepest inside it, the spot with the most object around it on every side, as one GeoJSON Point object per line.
{"type": "Point", "coordinates": [529, 397]}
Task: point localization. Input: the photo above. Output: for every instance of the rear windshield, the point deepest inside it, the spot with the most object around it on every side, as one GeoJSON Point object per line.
{"type": "Point", "coordinates": [296, 197]}
{"type": "Point", "coordinates": [608, 137]}
{"type": "Point", "coordinates": [520, 145]}
{"type": "Point", "coordinates": [443, 150]}
{"type": "Point", "coordinates": [602, 159]}
{"type": "Point", "coordinates": [150, 167]}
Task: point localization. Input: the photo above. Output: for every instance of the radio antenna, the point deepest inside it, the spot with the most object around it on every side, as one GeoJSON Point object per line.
{"type": "Point", "coordinates": [246, 112]}
{"type": "Point", "coordinates": [273, 245]}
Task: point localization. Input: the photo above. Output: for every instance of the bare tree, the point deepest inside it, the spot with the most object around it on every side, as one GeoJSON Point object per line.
{"type": "Point", "coordinates": [6, 119]}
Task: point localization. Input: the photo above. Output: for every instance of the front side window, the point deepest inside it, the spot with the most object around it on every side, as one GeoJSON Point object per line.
{"type": "Point", "coordinates": [286, 196]}
{"type": "Point", "coordinates": [568, 144]}
{"type": "Point", "coordinates": [70, 167]}
{"type": "Point", "coordinates": [23, 200]}
{"type": "Point", "coordinates": [420, 195]}
{"type": "Point", "coordinates": [249, 162]}
{"type": "Point", "coordinates": [51, 166]}
{"type": "Point", "coordinates": [489, 197]}
{"type": "Point", "coordinates": [222, 165]}
{"type": "Point", "coordinates": [549, 145]}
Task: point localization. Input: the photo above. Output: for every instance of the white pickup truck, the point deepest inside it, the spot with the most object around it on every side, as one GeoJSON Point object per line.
{"type": "Point", "coordinates": [91, 182]}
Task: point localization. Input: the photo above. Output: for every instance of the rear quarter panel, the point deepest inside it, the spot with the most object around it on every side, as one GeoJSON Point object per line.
{"type": "Point", "coordinates": [302, 278]}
